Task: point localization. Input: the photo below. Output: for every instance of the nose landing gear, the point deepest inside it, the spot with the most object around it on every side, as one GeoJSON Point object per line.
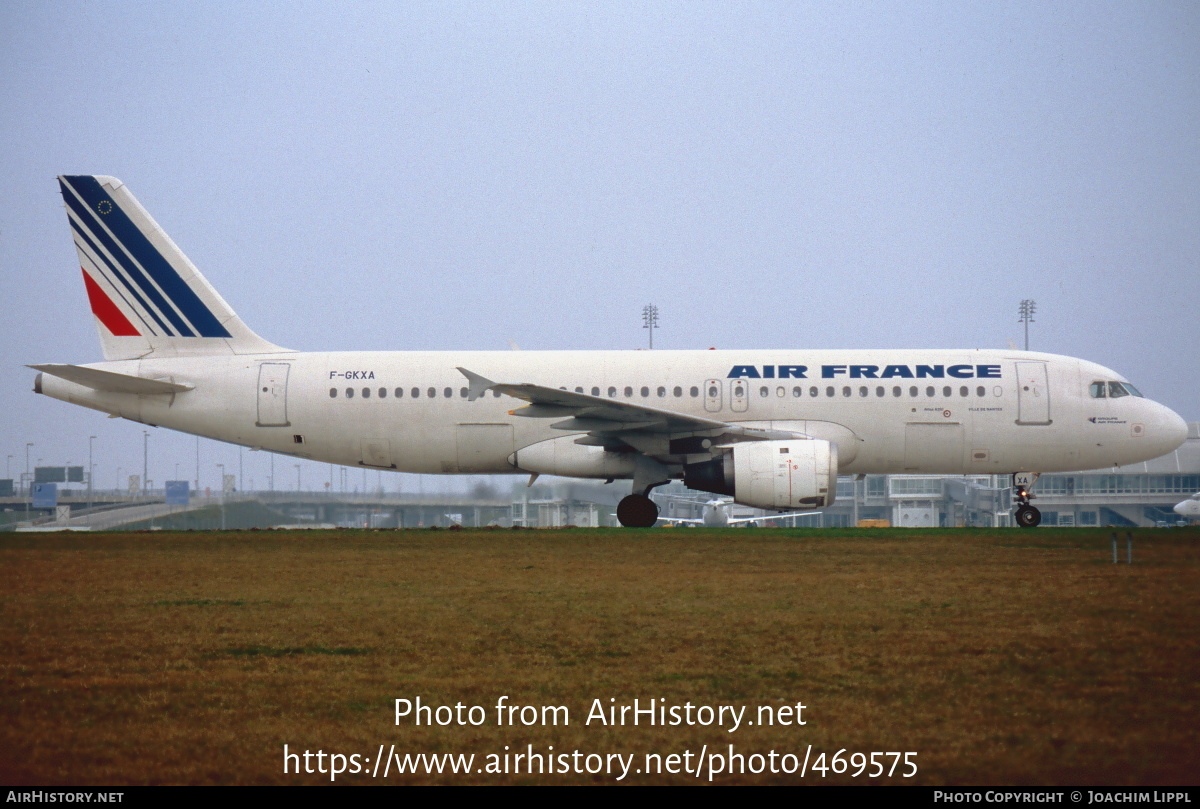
{"type": "Point", "coordinates": [1026, 515]}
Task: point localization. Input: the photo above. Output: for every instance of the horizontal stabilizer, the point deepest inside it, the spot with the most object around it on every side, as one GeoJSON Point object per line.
{"type": "Point", "coordinates": [109, 381]}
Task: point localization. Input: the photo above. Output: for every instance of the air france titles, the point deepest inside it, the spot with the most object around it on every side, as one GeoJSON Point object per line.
{"type": "Point", "coordinates": [866, 372]}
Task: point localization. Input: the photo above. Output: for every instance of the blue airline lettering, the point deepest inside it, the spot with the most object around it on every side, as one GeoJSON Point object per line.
{"type": "Point", "coordinates": [867, 372]}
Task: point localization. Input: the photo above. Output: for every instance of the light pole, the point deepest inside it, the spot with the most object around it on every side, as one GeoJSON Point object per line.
{"type": "Point", "coordinates": [29, 480]}
{"type": "Point", "coordinates": [1026, 310]}
{"type": "Point", "coordinates": [650, 320]}
{"type": "Point", "coordinates": [91, 438]}
{"type": "Point", "coordinates": [221, 466]}
{"type": "Point", "coordinates": [297, 477]}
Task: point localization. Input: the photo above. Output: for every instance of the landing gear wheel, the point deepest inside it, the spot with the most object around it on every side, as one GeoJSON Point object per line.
{"type": "Point", "coordinates": [1028, 517]}
{"type": "Point", "coordinates": [637, 511]}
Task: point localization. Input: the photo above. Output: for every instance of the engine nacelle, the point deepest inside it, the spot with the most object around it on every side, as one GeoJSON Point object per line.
{"type": "Point", "coordinates": [795, 474]}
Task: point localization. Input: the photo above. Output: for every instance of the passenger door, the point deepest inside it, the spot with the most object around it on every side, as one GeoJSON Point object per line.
{"type": "Point", "coordinates": [272, 394]}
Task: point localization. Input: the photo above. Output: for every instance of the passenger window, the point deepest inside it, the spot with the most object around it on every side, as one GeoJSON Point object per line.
{"type": "Point", "coordinates": [333, 393]}
{"type": "Point", "coordinates": [495, 394]}
{"type": "Point", "coordinates": [764, 391]}
{"type": "Point", "coordinates": [912, 391]}
{"type": "Point", "coordinates": [661, 391]}
{"type": "Point", "coordinates": [399, 393]}
{"type": "Point", "coordinates": [432, 393]}
{"type": "Point", "coordinates": [678, 391]}
{"type": "Point", "coordinates": [946, 391]}
{"type": "Point", "coordinates": [981, 391]}
{"type": "Point", "coordinates": [645, 391]}
{"type": "Point", "coordinates": [612, 392]}
{"type": "Point", "coordinates": [595, 391]}
{"type": "Point", "coordinates": [383, 393]}
{"type": "Point", "coordinates": [964, 391]}
{"type": "Point", "coordinates": [448, 392]}
{"type": "Point", "coordinates": [579, 388]}
{"type": "Point", "coordinates": [416, 393]}
{"type": "Point", "coordinates": [366, 393]}
{"type": "Point", "coordinates": [862, 390]}
{"type": "Point", "coordinates": [349, 393]}
{"type": "Point", "coordinates": [797, 392]}
{"type": "Point", "coordinates": [464, 392]}
{"type": "Point", "coordinates": [695, 391]}
{"type": "Point", "coordinates": [879, 391]}
{"type": "Point", "coordinates": [830, 392]}
{"type": "Point", "coordinates": [628, 391]}
{"type": "Point", "coordinates": [739, 391]}
{"type": "Point", "coordinates": [929, 391]}
{"type": "Point", "coordinates": [814, 392]}
{"type": "Point", "coordinates": [896, 391]}
{"type": "Point", "coordinates": [712, 392]}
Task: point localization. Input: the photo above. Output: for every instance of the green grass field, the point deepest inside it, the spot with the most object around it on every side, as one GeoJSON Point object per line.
{"type": "Point", "coordinates": [996, 656]}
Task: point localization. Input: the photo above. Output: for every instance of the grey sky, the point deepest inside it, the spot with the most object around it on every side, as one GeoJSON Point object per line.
{"type": "Point", "coordinates": [441, 176]}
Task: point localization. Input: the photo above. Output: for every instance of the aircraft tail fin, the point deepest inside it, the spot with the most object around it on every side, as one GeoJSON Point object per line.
{"type": "Point", "coordinates": [149, 300]}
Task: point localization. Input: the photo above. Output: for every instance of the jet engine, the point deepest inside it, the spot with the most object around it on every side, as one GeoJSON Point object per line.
{"type": "Point", "coordinates": [793, 474]}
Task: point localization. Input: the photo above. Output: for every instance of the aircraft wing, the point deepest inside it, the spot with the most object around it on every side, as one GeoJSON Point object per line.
{"type": "Point", "coordinates": [611, 422]}
{"type": "Point", "coordinates": [780, 515]}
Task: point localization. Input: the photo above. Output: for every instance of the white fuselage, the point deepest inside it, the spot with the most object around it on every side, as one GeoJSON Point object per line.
{"type": "Point", "coordinates": [1189, 508]}
{"type": "Point", "coordinates": [953, 412]}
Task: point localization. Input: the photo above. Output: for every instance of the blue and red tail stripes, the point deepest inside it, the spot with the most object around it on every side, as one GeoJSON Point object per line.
{"type": "Point", "coordinates": [134, 290]}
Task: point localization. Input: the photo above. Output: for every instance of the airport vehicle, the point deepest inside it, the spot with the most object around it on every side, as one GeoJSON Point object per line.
{"type": "Point", "coordinates": [772, 429]}
{"type": "Point", "coordinates": [1189, 508]}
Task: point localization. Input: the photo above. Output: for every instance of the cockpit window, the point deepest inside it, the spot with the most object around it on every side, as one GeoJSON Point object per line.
{"type": "Point", "coordinates": [1113, 390]}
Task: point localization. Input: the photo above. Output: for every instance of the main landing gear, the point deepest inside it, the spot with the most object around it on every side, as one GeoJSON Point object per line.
{"type": "Point", "coordinates": [637, 511]}
{"type": "Point", "coordinates": [1026, 515]}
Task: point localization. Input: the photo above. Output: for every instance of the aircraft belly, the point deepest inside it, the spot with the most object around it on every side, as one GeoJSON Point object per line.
{"type": "Point", "coordinates": [484, 447]}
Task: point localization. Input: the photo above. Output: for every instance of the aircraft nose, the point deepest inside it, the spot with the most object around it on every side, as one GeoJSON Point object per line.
{"type": "Point", "coordinates": [1171, 431]}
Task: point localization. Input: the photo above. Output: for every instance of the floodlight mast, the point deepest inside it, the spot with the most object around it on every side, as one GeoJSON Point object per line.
{"type": "Point", "coordinates": [650, 320]}
{"type": "Point", "coordinates": [1026, 310]}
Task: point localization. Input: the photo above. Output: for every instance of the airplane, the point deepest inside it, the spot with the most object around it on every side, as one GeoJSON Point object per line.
{"type": "Point", "coordinates": [772, 429]}
{"type": "Point", "coordinates": [716, 515]}
{"type": "Point", "coordinates": [1189, 508]}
